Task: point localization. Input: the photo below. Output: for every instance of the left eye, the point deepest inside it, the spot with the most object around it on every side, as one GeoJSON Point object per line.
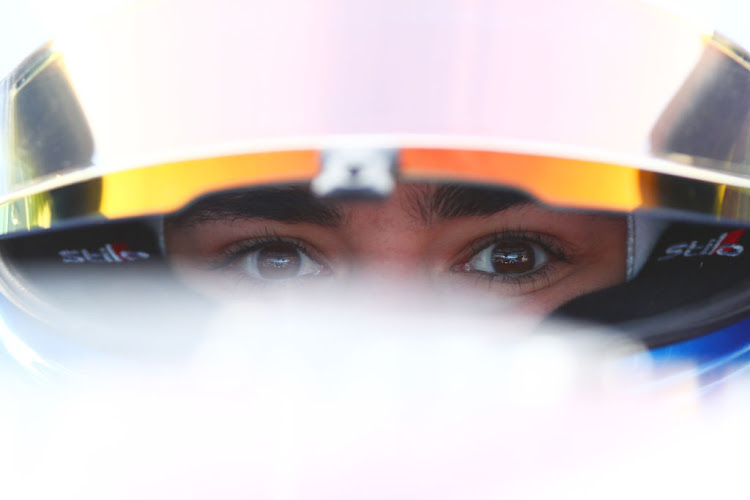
{"type": "Point", "coordinates": [507, 258]}
{"type": "Point", "coordinates": [278, 261]}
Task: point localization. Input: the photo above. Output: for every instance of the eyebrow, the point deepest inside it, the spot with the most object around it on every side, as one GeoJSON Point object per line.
{"type": "Point", "coordinates": [453, 201]}
{"type": "Point", "coordinates": [290, 204]}
{"type": "Point", "coordinates": [295, 204]}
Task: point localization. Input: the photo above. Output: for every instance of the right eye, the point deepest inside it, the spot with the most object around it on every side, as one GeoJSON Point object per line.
{"type": "Point", "coordinates": [513, 258]}
{"type": "Point", "coordinates": [276, 261]}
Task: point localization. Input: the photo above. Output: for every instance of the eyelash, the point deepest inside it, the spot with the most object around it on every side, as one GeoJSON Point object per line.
{"type": "Point", "coordinates": [232, 252]}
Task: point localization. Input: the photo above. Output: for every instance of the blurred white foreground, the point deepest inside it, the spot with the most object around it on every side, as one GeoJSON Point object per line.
{"type": "Point", "coordinates": [340, 399]}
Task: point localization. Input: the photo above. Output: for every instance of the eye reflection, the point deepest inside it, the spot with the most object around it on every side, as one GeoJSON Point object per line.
{"type": "Point", "coordinates": [507, 258]}
{"type": "Point", "coordinates": [513, 258]}
{"type": "Point", "coordinates": [276, 262]}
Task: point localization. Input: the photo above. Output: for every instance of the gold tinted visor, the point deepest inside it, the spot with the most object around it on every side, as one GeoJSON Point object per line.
{"type": "Point", "coordinates": [561, 182]}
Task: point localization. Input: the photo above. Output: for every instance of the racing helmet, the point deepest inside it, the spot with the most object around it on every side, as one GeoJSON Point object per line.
{"type": "Point", "coordinates": [120, 134]}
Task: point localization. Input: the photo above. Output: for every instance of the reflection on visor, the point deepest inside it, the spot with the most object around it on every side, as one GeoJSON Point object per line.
{"type": "Point", "coordinates": [562, 182]}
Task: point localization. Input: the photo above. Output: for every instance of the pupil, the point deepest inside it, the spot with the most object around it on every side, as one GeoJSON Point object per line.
{"type": "Point", "coordinates": [512, 258]}
{"type": "Point", "coordinates": [278, 262]}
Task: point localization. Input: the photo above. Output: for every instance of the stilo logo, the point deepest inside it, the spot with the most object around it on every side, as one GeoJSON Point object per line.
{"type": "Point", "coordinates": [725, 245]}
{"type": "Point", "coordinates": [109, 253]}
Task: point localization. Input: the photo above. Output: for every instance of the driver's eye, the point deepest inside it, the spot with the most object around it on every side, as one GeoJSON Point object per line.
{"type": "Point", "coordinates": [513, 257]}
{"type": "Point", "coordinates": [517, 258]}
{"type": "Point", "coordinates": [277, 261]}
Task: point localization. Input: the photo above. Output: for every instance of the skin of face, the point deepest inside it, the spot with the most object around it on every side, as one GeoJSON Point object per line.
{"type": "Point", "coordinates": [406, 239]}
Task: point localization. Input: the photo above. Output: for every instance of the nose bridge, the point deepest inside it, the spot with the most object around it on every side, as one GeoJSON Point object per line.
{"type": "Point", "coordinates": [372, 268]}
{"type": "Point", "coordinates": [386, 243]}
{"type": "Point", "coordinates": [389, 253]}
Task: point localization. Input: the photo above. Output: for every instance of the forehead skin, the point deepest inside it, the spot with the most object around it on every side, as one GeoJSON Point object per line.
{"type": "Point", "coordinates": [414, 235]}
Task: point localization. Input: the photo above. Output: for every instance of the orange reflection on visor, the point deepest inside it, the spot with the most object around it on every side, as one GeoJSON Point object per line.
{"type": "Point", "coordinates": [168, 187]}
{"type": "Point", "coordinates": [557, 181]}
